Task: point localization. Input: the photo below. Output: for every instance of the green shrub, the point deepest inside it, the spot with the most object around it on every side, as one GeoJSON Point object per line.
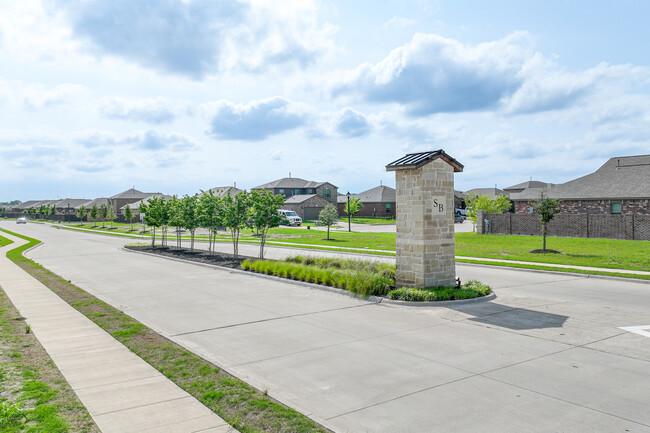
{"type": "Point", "coordinates": [472, 289]}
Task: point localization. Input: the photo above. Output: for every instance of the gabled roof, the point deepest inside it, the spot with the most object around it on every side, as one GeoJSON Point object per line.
{"type": "Point", "coordinates": [74, 203]}
{"type": "Point", "coordinates": [530, 184]}
{"type": "Point", "coordinates": [490, 192]}
{"type": "Point", "coordinates": [27, 204]}
{"type": "Point", "coordinates": [132, 193]}
{"type": "Point", "coordinates": [378, 194]}
{"type": "Point", "coordinates": [291, 183]}
{"type": "Point", "coordinates": [625, 177]}
{"type": "Point", "coordinates": [300, 198]}
{"type": "Point", "coordinates": [136, 204]}
{"type": "Point", "coordinates": [222, 191]}
{"type": "Point", "coordinates": [98, 202]}
{"type": "Point", "coordinates": [417, 160]}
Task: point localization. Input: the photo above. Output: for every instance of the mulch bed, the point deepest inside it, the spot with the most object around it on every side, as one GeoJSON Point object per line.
{"type": "Point", "coordinates": [547, 251]}
{"type": "Point", "coordinates": [200, 256]}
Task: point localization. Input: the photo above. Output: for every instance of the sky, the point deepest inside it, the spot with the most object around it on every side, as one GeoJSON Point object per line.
{"type": "Point", "coordinates": [178, 96]}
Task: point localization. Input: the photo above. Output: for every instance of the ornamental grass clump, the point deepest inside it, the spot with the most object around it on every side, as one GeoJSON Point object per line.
{"type": "Point", "coordinates": [364, 278]}
{"type": "Point", "coordinates": [471, 289]}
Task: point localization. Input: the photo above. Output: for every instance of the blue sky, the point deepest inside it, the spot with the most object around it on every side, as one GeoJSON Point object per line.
{"type": "Point", "coordinates": [178, 96]}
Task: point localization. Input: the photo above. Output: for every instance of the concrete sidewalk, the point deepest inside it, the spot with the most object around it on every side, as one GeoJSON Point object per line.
{"type": "Point", "coordinates": [121, 391]}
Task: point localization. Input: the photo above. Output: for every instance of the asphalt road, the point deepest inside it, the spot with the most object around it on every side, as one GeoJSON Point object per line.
{"type": "Point", "coordinates": [547, 355]}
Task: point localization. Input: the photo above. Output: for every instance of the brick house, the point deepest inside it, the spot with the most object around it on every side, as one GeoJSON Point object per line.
{"type": "Point", "coordinates": [118, 201]}
{"type": "Point", "coordinates": [620, 186]}
{"type": "Point", "coordinates": [377, 202]}
{"type": "Point", "coordinates": [307, 198]}
{"type": "Point", "coordinates": [290, 186]}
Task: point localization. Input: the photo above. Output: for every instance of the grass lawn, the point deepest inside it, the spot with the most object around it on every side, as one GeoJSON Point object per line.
{"type": "Point", "coordinates": [34, 396]}
{"type": "Point", "coordinates": [247, 409]}
{"type": "Point", "coordinates": [603, 253]}
{"type": "Point", "coordinates": [369, 220]}
{"type": "Point", "coordinates": [4, 241]}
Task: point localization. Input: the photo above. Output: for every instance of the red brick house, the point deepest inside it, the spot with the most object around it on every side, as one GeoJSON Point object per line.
{"type": "Point", "coordinates": [620, 186]}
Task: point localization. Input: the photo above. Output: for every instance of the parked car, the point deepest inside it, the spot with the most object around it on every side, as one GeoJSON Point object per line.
{"type": "Point", "coordinates": [21, 220]}
{"type": "Point", "coordinates": [459, 211]}
{"type": "Point", "coordinates": [459, 218]}
{"type": "Point", "coordinates": [291, 218]}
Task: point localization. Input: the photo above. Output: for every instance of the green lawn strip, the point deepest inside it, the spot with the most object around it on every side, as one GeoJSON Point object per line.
{"type": "Point", "coordinates": [369, 220]}
{"type": "Point", "coordinates": [242, 406]}
{"type": "Point", "coordinates": [554, 269]}
{"type": "Point", "coordinates": [4, 241]}
{"type": "Point", "coordinates": [599, 253]}
{"type": "Point", "coordinates": [34, 396]}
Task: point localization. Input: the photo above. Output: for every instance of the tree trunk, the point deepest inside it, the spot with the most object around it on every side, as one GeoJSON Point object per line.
{"type": "Point", "coordinates": [544, 238]}
{"type": "Point", "coordinates": [153, 237]}
{"type": "Point", "coordinates": [262, 242]}
{"type": "Point", "coordinates": [192, 240]}
{"type": "Point", "coordinates": [328, 233]}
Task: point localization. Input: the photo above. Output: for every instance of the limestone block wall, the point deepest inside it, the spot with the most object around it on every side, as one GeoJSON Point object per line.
{"type": "Point", "coordinates": [425, 231]}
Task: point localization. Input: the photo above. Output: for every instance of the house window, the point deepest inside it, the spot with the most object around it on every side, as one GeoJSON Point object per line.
{"type": "Point", "coordinates": [615, 208]}
{"type": "Point", "coordinates": [281, 191]}
{"type": "Point", "coordinates": [296, 191]}
{"type": "Point", "coordinates": [326, 193]}
{"type": "Point", "coordinates": [388, 209]}
{"type": "Point", "coordinates": [310, 191]}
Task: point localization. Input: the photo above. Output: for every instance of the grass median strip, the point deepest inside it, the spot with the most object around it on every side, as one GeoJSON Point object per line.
{"type": "Point", "coordinates": [34, 396]}
{"type": "Point", "coordinates": [247, 409]}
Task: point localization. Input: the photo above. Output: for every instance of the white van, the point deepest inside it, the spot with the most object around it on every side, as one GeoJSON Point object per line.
{"type": "Point", "coordinates": [290, 217]}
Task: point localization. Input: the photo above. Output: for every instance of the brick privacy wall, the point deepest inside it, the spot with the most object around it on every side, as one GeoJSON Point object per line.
{"type": "Point", "coordinates": [425, 238]}
{"type": "Point", "coordinates": [633, 227]}
{"type": "Point", "coordinates": [595, 207]}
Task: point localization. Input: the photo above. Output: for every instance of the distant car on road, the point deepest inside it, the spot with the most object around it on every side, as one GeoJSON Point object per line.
{"type": "Point", "coordinates": [21, 220]}
{"type": "Point", "coordinates": [459, 211]}
{"type": "Point", "coordinates": [459, 218]}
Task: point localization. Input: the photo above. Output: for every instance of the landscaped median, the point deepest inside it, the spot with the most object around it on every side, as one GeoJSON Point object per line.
{"type": "Point", "coordinates": [247, 409]}
{"type": "Point", "coordinates": [361, 277]}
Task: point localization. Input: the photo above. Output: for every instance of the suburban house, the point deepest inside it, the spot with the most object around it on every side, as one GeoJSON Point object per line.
{"type": "Point", "coordinates": [307, 198]}
{"type": "Point", "coordinates": [620, 186]}
{"type": "Point", "coordinates": [490, 192]}
{"type": "Point", "coordinates": [125, 197]}
{"type": "Point", "coordinates": [135, 206]}
{"type": "Point", "coordinates": [377, 202]}
{"type": "Point", "coordinates": [459, 199]}
{"type": "Point", "coordinates": [525, 185]}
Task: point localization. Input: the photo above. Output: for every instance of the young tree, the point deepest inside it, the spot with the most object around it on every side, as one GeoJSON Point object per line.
{"type": "Point", "coordinates": [142, 210]}
{"type": "Point", "coordinates": [51, 210]}
{"type": "Point", "coordinates": [175, 217]}
{"type": "Point", "coordinates": [328, 216]}
{"type": "Point", "coordinates": [355, 206]}
{"type": "Point", "coordinates": [103, 213]}
{"type": "Point", "coordinates": [547, 208]}
{"type": "Point", "coordinates": [235, 216]}
{"type": "Point", "coordinates": [482, 202]}
{"type": "Point", "coordinates": [190, 216]}
{"type": "Point", "coordinates": [111, 215]}
{"type": "Point", "coordinates": [81, 213]}
{"type": "Point", "coordinates": [128, 215]}
{"type": "Point", "coordinates": [210, 214]}
{"type": "Point", "coordinates": [94, 212]}
{"type": "Point", "coordinates": [151, 211]}
{"type": "Point", "coordinates": [263, 213]}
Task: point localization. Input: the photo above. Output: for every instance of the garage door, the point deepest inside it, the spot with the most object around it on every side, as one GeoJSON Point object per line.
{"type": "Point", "coordinates": [311, 213]}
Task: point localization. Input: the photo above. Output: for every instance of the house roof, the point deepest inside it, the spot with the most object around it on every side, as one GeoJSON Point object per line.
{"type": "Point", "coordinates": [74, 203]}
{"type": "Point", "coordinates": [378, 194]}
{"type": "Point", "coordinates": [222, 191]}
{"type": "Point", "coordinates": [136, 204]}
{"type": "Point", "coordinates": [300, 198]}
{"type": "Point", "coordinates": [625, 177]}
{"type": "Point", "coordinates": [132, 193]}
{"type": "Point", "coordinates": [98, 202]}
{"type": "Point", "coordinates": [292, 182]}
{"type": "Point", "coordinates": [417, 160]}
{"type": "Point", "coordinates": [27, 204]}
{"type": "Point", "coordinates": [530, 184]}
{"type": "Point", "coordinates": [490, 192]}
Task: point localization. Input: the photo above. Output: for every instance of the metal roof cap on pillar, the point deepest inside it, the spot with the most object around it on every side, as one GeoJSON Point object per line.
{"type": "Point", "coordinates": [417, 160]}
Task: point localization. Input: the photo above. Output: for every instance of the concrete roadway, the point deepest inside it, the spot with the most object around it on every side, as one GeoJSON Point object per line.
{"type": "Point", "coordinates": [547, 355]}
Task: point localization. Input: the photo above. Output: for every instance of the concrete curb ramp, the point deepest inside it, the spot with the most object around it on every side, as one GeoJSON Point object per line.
{"type": "Point", "coordinates": [120, 390]}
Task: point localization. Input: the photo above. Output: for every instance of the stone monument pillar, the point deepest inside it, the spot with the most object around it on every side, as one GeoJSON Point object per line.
{"type": "Point", "coordinates": [425, 219]}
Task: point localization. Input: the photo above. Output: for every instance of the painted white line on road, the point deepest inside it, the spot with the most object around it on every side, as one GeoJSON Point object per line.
{"type": "Point", "coordinates": [641, 330]}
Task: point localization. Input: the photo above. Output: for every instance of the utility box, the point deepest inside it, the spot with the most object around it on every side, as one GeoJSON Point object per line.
{"type": "Point", "coordinates": [425, 219]}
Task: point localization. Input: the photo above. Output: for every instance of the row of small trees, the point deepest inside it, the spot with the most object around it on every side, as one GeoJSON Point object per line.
{"type": "Point", "coordinates": [41, 211]}
{"type": "Point", "coordinates": [256, 209]}
{"type": "Point", "coordinates": [103, 213]}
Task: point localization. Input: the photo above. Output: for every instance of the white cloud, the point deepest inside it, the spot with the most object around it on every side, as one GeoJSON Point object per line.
{"type": "Point", "coordinates": [200, 38]}
{"type": "Point", "coordinates": [154, 111]}
{"type": "Point", "coordinates": [256, 120]}
{"type": "Point", "coordinates": [37, 97]}
{"type": "Point", "coordinates": [399, 22]}
{"type": "Point", "coordinates": [352, 124]}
